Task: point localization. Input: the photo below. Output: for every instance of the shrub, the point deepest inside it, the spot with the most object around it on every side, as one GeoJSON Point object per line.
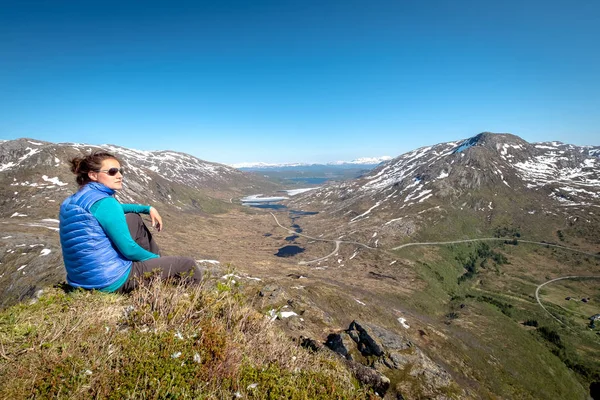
{"type": "Point", "coordinates": [504, 307]}
{"type": "Point", "coordinates": [551, 336]}
{"type": "Point", "coordinates": [452, 315]}
{"type": "Point", "coordinates": [483, 252]}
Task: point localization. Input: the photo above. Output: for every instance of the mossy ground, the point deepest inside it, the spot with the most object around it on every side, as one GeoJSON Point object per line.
{"type": "Point", "coordinates": [162, 341]}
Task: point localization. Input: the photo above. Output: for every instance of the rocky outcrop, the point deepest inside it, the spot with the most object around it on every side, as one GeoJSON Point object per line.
{"type": "Point", "coordinates": [381, 354]}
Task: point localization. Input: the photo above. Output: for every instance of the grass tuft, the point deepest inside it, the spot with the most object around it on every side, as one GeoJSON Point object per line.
{"type": "Point", "coordinates": [162, 341]}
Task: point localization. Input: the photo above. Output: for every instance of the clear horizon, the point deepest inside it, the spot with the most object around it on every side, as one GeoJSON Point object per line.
{"type": "Point", "coordinates": [306, 82]}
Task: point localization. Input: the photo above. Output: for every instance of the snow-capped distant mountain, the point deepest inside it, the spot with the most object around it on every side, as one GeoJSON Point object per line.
{"type": "Point", "coordinates": [500, 177]}
{"type": "Point", "coordinates": [359, 161]}
{"type": "Point", "coordinates": [363, 161]}
{"type": "Point", "coordinates": [32, 170]}
{"type": "Point", "coordinates": [259, 165]}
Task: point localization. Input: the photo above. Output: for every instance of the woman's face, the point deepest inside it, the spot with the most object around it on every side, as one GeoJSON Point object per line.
{"type": "Point", "coordinates": [113, 182]}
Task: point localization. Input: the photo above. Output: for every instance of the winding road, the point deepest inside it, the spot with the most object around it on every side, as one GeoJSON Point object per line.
{"type": "Point", "coordinates": [537, 290]}
{"type": "Point", "coordinates": [338, 242]}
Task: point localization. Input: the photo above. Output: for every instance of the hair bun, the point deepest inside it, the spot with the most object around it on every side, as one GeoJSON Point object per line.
{"type": "Point", "coordinates": [76, 165]}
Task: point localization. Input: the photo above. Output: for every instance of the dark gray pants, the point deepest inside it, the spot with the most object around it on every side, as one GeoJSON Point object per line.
{"type": "Point", "coordinates": [169, 266]}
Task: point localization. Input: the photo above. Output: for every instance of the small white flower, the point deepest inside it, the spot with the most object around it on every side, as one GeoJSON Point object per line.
{"type": "Point", "coordinates": [252, 386]}
{"type": "Point", "coordinates": [197, 358]}
{"type": "Point", "coordinates": [88, 372]}
{"type": "Point", "coordinates": [177, 354]}
{"type": "Point", "coordinates": [238, 395]}
{"type": "Point", "coordinates": [179, 336]}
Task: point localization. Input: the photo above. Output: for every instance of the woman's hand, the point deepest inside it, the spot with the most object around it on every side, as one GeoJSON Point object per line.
{"type": "Point", "coordinates": [156, 219]}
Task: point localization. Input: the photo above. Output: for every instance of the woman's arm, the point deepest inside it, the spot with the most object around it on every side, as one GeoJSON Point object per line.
{"type": "Point", "coordinates": [135, 208]}
{"type": "Point", "coordinates": [143, 209]}
{"type": "Point", "coordinates": [110, 215]}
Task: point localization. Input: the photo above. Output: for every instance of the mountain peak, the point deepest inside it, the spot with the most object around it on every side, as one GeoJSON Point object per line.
{"type": "Point", "coordinates": [490, 140]}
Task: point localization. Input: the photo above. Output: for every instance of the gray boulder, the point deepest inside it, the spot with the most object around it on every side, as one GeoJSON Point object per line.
{"type": "Point", "coordinates": [341, 343]}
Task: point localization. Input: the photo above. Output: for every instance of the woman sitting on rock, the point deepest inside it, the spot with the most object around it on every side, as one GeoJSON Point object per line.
{"type": "Point", "coordinates": [105, 244]}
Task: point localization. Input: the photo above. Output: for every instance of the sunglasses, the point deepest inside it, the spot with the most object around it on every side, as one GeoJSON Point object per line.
{"type": "Point", "coordinates": [112, 171]}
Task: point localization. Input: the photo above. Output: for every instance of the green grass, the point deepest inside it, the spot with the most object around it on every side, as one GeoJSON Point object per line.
{"type": "Point", "coordinates": [162, 341]}
{"type": "Point", "coordinates": [485, 315]}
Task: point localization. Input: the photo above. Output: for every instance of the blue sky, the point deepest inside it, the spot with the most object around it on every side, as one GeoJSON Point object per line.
{"type": "Point", "coordinates": [292, 81]}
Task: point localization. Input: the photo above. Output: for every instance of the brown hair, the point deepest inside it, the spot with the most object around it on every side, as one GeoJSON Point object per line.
{"type": "Point", "coordinates": [80, 166]}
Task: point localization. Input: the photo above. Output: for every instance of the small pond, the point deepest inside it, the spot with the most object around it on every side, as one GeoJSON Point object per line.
{"type": "Point", "coordinates": [292, 238]}
{"type": "Point", "coordinates": [300, 213]}
{"type": "Point", "coordinates": [289, 251]}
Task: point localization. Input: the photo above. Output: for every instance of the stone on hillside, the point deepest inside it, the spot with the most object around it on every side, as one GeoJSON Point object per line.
{"type": "Point", "coordinates": [268, 290]}
{"type": "Point", "coordinates": [272, 293]}
{"type": "Point", "coordinates": [390, 340]}
{"type": "Point", "coordinates": [354, 335]}
{"type": "Point", "coordinates": [420, 366]}
{"type": "Point", "coordinates": [368, 343]}
{"type": "Point", "coordinates": [341, 343]}
{"type": "Point", "coordinates": [370, 377]}
{"type": "Point", "coordinates": [310, 344]}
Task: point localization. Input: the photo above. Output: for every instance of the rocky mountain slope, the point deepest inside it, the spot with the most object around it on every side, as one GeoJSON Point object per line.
{"type": "Point", "coordinates": [32, 169]}
{"type": "Point", "coordinates": [35, 178]}
{"type": "Point", "coordinates": [493, 183]}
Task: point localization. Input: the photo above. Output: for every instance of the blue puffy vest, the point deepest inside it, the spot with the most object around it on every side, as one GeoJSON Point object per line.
{"type": "Point", "coordinates": [91, 260]}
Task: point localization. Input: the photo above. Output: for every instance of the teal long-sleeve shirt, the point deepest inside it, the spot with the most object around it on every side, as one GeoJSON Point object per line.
{"type": "Point", "coordinates": [111, 217]}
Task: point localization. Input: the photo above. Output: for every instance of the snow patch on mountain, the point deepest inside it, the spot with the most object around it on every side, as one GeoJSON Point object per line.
{"type": "Point", "coordinates": [12, 164]}
{"type": "Point", "coordinates": [54, 180]}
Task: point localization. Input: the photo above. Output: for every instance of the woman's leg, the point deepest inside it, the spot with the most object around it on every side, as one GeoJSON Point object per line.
{"type": "Point", "coordinates": [140, 233]}
{"type": "Point", "coordinates": [169, 267]}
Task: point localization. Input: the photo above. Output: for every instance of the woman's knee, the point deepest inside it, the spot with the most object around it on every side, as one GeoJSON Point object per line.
{"type": "Point", "coordinates": [182, 266]}
{"type": "Point", "coordinates": [196, 269]}
{"type": "Point", "coordinates": [190, 265]}
{"type": "Point", "coordinates": [134, 219]}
